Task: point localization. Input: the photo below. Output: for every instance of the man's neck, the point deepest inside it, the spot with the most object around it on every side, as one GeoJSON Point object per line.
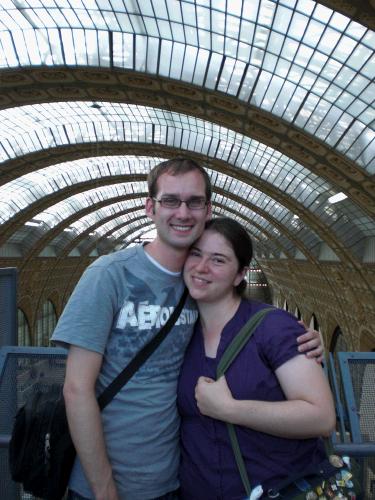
{"type": "Point", "coordinates": [171, 258]}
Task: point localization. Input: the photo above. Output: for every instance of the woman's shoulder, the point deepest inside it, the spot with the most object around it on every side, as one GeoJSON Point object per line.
{"type": "Point", "coordinates": [249, 307]}
{"type": "Point", "coordinates": [275, 320]}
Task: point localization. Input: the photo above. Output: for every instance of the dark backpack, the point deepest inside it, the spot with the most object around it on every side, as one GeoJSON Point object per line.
{"type": "Point", "coordinates": [41, 452]}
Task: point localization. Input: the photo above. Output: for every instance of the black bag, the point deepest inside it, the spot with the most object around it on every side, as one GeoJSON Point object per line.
{"type": "Point", "coordinates": [41, 451]}
{"type": "Point", "coordinates": [40, 438]}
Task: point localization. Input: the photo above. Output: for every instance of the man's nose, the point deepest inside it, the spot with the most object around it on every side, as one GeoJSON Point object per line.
{"type": "Point", "coordinates": [183, 211]}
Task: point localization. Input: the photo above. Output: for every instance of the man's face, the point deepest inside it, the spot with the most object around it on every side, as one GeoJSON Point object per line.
{"type": "Point", "coordinates": [179, 227]}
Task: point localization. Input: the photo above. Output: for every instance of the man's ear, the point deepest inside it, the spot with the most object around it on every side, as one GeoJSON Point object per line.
{"type": "Point", "coordinates": [150, 207]}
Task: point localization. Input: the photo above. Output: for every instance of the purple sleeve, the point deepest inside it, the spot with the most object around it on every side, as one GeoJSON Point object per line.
{"type": "Point", "coordinates": [277, 336]}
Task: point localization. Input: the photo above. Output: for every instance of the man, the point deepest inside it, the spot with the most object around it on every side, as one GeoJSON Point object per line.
{"type": "Point", "coordinates": [130, 450]}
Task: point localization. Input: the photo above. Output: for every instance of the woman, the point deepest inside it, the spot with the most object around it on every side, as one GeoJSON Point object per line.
{"type": "Point", "coordinates": [279, 400]}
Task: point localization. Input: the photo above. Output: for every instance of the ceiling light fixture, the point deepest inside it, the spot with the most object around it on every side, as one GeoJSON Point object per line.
{"type": "Point", "coordinates": [336, 198]}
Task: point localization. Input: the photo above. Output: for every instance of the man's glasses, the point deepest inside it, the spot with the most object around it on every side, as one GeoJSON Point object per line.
{"type": "Point", "coordinates": [194, 203]}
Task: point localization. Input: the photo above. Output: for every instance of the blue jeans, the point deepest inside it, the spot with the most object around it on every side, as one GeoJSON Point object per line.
{"type": "Point", "coordinates": [172, 495]}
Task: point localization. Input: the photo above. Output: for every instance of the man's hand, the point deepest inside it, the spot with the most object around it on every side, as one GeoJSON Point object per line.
{"type": "Point", "coordinates": [108, 491]}
{"type": "Point", "coordinates": [214, 399]}
{"type": "Point", "coordinates": [310, 343]}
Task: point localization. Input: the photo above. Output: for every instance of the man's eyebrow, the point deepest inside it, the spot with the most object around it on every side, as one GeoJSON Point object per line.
{"type": "Point", "coordinates": [175, 195]}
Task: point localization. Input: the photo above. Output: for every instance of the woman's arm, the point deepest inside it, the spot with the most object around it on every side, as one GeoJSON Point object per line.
{"type": "Point", "coordinates": [308, 412]}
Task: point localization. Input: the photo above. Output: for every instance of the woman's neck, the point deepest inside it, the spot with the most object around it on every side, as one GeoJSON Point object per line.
{"type": "Point", "coordinates": [215, 316]}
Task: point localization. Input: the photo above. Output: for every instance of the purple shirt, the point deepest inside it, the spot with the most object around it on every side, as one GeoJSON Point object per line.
{"type": "Point", "coordinates": [208, 470]}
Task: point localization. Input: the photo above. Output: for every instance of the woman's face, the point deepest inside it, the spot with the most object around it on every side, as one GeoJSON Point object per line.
{"type": "Point", "coordinates": [211, 268]}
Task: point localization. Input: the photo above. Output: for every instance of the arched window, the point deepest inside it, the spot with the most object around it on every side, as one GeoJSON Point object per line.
{"type": "Point", "coordinates": [46, 323]}
{"type": "Point", "coordinates": [297, 313]}
{"type": "Point", "coordinates": [286, 307]}
{"type": "Point", "coordinates": [23, 336]}
{"type": "Point", "coordinates": [314, 323]}
{"type": "Point", "coordinates": [338, 342]}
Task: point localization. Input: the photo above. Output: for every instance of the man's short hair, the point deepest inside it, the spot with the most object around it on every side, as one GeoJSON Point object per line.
{"type": "Point", "coordinates": [176, 166]}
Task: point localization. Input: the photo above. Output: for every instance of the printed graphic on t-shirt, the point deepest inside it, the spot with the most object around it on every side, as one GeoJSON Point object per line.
{"type": "Point", "coordinates": [141, 316]}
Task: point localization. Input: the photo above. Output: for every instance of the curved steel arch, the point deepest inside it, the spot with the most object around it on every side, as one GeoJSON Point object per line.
{"type": "Point", "coordinates": [269, 54]}
{"type": "Point", "coordinates": [50, 235]}
{"type": "Point", "coordinates": [323, 161]}
{"type": "Point", "coordinates": [274, 222]}
{"type": "Point", "coordinates": [35, 208]}
{"type": "Point", "coordinates": [254, 179]}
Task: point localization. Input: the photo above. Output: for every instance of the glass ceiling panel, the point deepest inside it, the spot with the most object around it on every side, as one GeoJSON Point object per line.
{"type": "Point", "coordinates": [78, 228]}
{"type": "Point", "coordinates": [111, 225]}
{"type": "Point", "coordinates": [275, 55]}
{"type": "Point", "coordinates": [60, 211]}
{"type": "Point", "coordinates": [339, 217]}
{"type": "Point", "coordinates": [83, 224]}
{"type": "Point", "coordinates": [39, 183]}
{"type": "Point", "coordinates": [258, 236]}
{"type": "Point", "coordinates": [131, 228]}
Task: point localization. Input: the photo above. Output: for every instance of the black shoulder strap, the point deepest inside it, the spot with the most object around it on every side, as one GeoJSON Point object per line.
{"type": "Point", "coordinates": [126, 374]}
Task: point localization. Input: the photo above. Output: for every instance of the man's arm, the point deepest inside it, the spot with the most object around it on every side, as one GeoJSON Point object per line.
{"type": "Point", "coordinates": [85, 423]}
{"type": "Point", "coordinates": [311, 344]}
{"type": "Point", "coordinates": [308, 411]}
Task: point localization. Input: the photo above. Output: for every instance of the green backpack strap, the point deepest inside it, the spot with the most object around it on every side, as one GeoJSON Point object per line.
{"type": "Point", "coordinates": [228, 357]}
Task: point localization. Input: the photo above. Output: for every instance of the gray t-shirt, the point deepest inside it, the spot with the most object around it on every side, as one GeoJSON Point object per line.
{"type": "Point", "coordinates": [119, 304]}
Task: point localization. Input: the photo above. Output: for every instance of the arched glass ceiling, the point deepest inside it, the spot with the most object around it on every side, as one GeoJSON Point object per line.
{"type": "Point", "coordinates": [57, 213]}
{"type": "Point", "coordinates": [107, 228]}
{"type": "Point", "coordinates": [263, 203]}
{"type": "Point", "coordinates": [71, 205]}
{"type": "Point", "coordinates": [111, 211]}
{"type": "Point", "coordinates": [95, 223]}
{"type": "Point", "coordinates": [22, 131]}
{"type": "Point", "coordinates": [297, 59]}
{"type": "Point", "coordinates": [32, 187]}
{"type": "Point", "coordinates": [77, 122]}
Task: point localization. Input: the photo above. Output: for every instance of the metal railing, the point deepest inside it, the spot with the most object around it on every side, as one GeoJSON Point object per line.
{"type": "Point", "coordinates": [23, 370]}
{"type": "Point", "coordinates": [351, 374]}
{"type": "Point", "coordinates": [352, 378]}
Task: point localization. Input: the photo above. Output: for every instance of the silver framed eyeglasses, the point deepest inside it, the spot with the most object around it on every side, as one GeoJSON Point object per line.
{"type": "Point", "coordinates": [193, 203]}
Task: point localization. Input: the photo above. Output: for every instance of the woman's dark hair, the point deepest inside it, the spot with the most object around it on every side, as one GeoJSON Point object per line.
{"type": "Point", "coordinates": [238, 238]}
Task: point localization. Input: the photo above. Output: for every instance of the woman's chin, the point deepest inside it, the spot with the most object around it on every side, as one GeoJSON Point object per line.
{"type": "Point", "coordinates": [197, 294]}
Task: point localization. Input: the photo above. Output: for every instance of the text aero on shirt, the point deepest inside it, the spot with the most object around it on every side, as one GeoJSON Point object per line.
{"type": "Point", "coordinates": [145, 316]}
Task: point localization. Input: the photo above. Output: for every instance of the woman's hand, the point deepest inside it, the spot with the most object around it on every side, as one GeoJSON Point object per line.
{"type": "Point", "coordinates": [214, 399]}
